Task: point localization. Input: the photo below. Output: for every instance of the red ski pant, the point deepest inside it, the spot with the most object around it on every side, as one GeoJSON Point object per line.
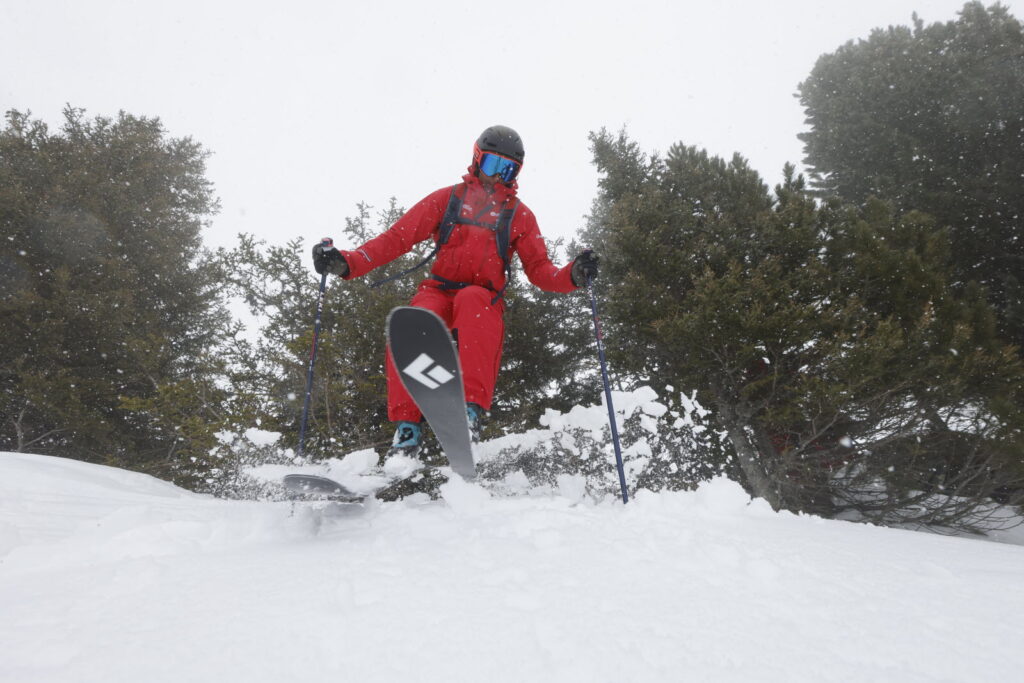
{"type": "Point", "coordinates": [479, 328]}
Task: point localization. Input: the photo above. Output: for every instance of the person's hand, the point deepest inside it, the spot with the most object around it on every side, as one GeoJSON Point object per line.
{"type": "Point", "coordinates": [327, 258]}
{"type": "Point", "coordinates": [584, 268]}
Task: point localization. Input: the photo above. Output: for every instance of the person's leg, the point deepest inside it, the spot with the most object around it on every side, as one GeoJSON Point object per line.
{"type": "Point", "coordinates": [480, 329]}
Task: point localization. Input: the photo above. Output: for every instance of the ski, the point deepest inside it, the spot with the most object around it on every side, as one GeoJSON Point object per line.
{"type": "Point", "coordinates": [428, 363]}
{"type": "Point", "coordinates": [320, 487]}
{"type": "Point", "coordinates": [313, 487]}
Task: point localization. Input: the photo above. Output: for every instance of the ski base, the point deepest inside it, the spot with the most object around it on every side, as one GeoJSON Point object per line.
{"type": "Point", "coordinates": [427, 361]}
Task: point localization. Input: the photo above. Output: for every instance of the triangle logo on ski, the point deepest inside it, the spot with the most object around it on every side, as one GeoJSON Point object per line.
{"type": "Point", "coordinates": [428, 363]}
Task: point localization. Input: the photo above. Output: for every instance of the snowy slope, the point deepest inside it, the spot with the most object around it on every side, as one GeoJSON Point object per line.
{"type": "Point", "coordinates": [107, 575]}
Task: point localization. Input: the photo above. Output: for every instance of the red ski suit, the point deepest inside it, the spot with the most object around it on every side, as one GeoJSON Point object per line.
{"type": "Point", "coordinates": [470, 256]}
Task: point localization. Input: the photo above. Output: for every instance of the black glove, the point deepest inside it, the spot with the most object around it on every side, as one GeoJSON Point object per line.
{"type": "Point", "coordinates": [584, 268]}
{"type": "Point", "coordinates": [327, 258]}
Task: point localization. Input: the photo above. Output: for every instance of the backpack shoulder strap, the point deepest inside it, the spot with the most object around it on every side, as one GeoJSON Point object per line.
{"type": "Point", "coordinates": [503, 235]}
{"type": "Point", "coordinates": [503, 231]}
{"type": "Point", "coordinates": [451, 217]}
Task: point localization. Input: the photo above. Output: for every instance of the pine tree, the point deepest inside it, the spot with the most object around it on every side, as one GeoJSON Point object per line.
{"type": "Point", "coordinates": [349, 408]}
{"type": "Point", "coordinates": [846, 370]}
{"type": "Point", "coordinates": [932, 118]}
{"type": "Point", "coordinates": [106, 294]}
{"type": "Point", "coordinates": [548, 361]}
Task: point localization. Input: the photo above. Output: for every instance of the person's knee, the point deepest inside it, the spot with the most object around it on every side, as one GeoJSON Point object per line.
{"type": "Point", "coordinates": [474, 295]}
{"type": "Point", "coordinates": [477, 302]}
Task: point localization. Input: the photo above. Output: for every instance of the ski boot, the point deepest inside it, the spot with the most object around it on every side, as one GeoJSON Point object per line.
{"type": "Point", "coordinates": [476, 417]}
{"type": "Point", "coordinates": [408, 440]}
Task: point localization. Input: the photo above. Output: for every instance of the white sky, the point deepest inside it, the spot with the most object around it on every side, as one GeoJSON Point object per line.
{"type": "Point", "coordinates": [311, 107]}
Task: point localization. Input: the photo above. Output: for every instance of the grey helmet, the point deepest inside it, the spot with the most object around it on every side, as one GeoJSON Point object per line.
{"type": "Point", "coordinates": [500, 140]}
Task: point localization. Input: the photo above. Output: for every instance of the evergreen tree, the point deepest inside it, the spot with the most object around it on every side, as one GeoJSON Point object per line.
{"type": "Point", "coordinates": [548, 361]}
{"type": "Point", "coordinates": [932, 118]}
{"type": "Point", "coordinates": [349, 407]}
{"type": "Point", "coordinates": [105, 294]}
{"type": "Point", "coordinates": [846, 371]}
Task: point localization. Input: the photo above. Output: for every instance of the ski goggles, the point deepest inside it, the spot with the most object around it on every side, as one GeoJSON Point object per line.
{"type": "Point", "coordinates": [503, 167]}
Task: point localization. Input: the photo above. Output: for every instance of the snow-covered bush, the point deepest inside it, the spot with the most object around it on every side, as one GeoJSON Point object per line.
{"type": "Point", "coordinates": [239, 453]}
{"type": "Point", "coordinates": [666, 444]}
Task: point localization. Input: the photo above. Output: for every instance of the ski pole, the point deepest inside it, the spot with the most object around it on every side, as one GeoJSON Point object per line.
{"type": "Point", "coordinates": [327, 242]}
{"type": "Point", "coordinates": [607, 390]}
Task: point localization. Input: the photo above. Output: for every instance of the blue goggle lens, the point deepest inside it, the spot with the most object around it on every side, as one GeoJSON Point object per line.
{"type": "Point", "coordinates": [492, 164]}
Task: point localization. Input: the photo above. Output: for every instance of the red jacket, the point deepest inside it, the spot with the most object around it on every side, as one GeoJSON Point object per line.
{"type": "Point", "coordinates": [471, 254]}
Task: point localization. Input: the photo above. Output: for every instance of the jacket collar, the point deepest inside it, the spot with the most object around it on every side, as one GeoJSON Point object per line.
{"type": "Point", "coordinates": [502, 192]}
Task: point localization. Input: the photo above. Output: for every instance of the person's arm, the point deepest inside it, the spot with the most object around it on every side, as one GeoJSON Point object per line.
{"type": "Point", "coordinates": [416, 225]}
{"type": "Point", "coordinates": [533, 252]}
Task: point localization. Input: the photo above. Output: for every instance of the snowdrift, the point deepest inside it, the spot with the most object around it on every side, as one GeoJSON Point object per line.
{"type": "Point", "coordinates": [114, 576]}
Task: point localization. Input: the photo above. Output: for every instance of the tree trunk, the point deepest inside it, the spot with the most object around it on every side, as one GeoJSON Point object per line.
{"type": "Point", "coordinates": [761, 485]}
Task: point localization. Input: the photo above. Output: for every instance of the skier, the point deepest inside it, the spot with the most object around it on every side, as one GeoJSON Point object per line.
{"type": "Point", "coordinates": [467, 281]}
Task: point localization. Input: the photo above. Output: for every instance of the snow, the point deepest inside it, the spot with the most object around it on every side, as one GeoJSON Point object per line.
{"type": "Point", "coordinates": [107, 575]}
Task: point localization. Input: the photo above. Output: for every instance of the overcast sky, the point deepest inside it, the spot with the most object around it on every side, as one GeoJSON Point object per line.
{"type": "Point", "coordinates": [311, 107]}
